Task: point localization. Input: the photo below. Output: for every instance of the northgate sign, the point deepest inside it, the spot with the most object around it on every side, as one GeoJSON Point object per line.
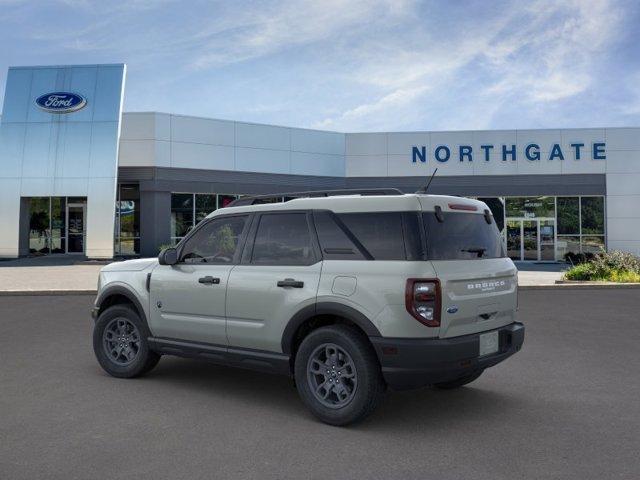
{"type": "Point", "coordinates": [577, 151]}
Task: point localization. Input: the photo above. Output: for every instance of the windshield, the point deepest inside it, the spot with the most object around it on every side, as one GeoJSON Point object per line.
{"type": "Point", "coordinates": [461, 236]}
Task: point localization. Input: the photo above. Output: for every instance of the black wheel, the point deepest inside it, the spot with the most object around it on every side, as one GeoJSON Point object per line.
{"type": "Point", "coordinates": [459, 382]}
{"type": "Point", "coordinates": [120, 343]}
{"type": "Point", "coordinates": [338, 376]}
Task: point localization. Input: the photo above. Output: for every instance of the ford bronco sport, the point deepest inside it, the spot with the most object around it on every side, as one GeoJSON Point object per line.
{"type": "Point", "coordinates": [347, 293]}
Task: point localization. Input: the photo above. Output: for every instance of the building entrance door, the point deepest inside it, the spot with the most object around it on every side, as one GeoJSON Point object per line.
{"type": "Point", "coordinates": [531, 239]}
{"type": "Point", "coordinates": [76, 221]}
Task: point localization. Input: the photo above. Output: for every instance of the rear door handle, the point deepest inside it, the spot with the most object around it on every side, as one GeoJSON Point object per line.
{"type": "Point", "coordinates": [290, 282]}
{"type": "Point", "coordinates": [209, 280]}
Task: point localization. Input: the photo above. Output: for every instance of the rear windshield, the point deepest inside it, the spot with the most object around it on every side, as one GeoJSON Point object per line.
{"type": "Point", "coordinates": [461, 236]}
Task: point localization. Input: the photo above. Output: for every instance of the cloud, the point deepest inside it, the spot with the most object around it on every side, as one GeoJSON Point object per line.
{"type": "Point", "coordinates": [386, 105]}
{"type": "Point", "coordinates": [539, 54]}
{"type": "Point", "coordinates": [347, 65]}
{"type": "Point", "coordinates": [253, 33]}
{"type": "Point", "coordinates": [551, 58]}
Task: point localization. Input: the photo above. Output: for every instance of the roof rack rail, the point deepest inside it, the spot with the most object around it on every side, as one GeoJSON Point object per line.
{"type": "Point", "coordinates": [317, 193]}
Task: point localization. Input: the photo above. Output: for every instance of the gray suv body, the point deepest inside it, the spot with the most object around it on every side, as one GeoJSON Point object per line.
{"type": "Point", "coordinates": [348, 294]}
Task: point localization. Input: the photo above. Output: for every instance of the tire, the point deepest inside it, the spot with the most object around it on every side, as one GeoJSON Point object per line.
{"type": "Point", "coordinates": [132, 357]}
{"type": "Point", "coordinates": [359, 386]}
{"type": "Point", "coordinates": [459, 382]}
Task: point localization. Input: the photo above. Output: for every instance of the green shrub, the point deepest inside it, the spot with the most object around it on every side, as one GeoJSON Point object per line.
{"type": "Point", "coordinates": [616, 260]}
{"type": "Point", "coordinates": [622, 276]}
{"type": "Point", "coordinates": [612, 266]}
{"type": "Point", "coordinates": [582, 271]}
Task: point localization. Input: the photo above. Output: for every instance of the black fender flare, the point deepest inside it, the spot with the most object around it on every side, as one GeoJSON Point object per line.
{"type": "Point", "coordinates": [326, 308]}
{"type": "Point", "coordinates": [125, 292]}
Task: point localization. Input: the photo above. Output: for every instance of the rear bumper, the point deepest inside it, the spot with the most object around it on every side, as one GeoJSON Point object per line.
{"type": "Point", "coordinates": [411, 363]}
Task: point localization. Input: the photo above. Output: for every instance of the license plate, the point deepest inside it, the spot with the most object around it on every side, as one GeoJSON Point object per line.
{"type": "Point", "coordinates": [489, 343]}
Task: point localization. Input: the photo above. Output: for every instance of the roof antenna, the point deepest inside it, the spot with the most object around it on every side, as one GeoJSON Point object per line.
{"type": "Point", "coordinates": [426, 187]}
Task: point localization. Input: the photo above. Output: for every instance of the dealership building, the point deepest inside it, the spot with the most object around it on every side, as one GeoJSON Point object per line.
{"type": "Point", "coordinates": [79, 176]}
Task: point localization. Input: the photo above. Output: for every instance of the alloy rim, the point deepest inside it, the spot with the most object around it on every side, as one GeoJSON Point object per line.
{"type": "Point", "coordinates": [332, 376]}
{"type": "Point", "coordinates": [121, 341]}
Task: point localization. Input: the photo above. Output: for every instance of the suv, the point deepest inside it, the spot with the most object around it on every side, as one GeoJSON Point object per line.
{"type": "Point", "coordinates": [348, 294]}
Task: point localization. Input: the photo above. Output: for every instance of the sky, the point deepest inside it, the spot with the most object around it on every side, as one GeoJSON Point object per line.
{"type": "Point", "coordinates": [351, 65]}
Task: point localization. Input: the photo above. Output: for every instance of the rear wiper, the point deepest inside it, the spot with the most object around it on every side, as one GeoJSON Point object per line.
{"type": "Point", "coordinates": [479, 251]}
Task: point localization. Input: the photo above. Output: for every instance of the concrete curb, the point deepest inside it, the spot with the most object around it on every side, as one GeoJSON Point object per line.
{"type": "Point", "coordinates": [11, 293]}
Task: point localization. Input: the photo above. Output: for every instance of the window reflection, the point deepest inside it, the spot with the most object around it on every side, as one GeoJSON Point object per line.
{"type": "Point", "coordinates": [189, 209]}
{"type": "Point", "coordinates": [127, 227]}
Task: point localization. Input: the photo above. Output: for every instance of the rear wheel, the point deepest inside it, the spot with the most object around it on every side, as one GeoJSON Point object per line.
{"type": "Point", "coordinates": [338, 376]}
{"type": "Point", "coordinates": [120, 343]}
{"type": "Point", "coordinates": [459, 382]}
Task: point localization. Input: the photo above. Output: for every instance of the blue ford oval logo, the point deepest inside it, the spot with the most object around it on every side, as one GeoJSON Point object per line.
{"type": "Point", "coordinates": [61, 102]}
{"type": "Point", "coordinates": [452, 309]}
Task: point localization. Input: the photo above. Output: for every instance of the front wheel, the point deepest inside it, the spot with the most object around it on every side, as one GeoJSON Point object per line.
{"type": "Point", "coordinates": [338, 376]}
{"type": "Point", "coordinates": [120, 343]}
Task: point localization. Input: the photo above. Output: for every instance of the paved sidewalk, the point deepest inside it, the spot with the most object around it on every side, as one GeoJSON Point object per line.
{"type": "Point", "coordinates": [63, 274]}
{"type": "Point", "coordinates": [47, 274]}
{"type": "Point", "coordinates": [539, 273]}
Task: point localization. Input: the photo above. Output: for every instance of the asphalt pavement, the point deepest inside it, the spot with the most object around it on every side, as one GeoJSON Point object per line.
{"type": "Point", "coordinates": [567, 406]}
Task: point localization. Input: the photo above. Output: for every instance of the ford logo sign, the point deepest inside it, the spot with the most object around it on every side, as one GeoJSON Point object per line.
{"type": "Point", "coordinates": [61, 102]}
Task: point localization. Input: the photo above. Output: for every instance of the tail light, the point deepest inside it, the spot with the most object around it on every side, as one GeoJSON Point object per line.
{"type": "Point", "coordinates": [422, 299]}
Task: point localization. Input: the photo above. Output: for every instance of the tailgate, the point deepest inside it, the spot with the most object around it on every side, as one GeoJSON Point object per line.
{"type": "Point", "coordinates": [477, 295]}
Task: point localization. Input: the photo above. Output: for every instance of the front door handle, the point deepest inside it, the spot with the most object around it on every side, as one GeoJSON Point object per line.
{"type": "Point", "coordinates": [290, 282]}
{"type": "Point", "coordinates": [209, 280]}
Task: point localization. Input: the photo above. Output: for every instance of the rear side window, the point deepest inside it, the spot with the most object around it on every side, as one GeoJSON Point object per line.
{"type": "Point", "coordinates": [381, 234]}
{"type": "Point", "coordinates": [334, 238]}
{"type": "Point", "coordinates": [461, 236]}
{"type": "Point", "coordinates": [283, 239]}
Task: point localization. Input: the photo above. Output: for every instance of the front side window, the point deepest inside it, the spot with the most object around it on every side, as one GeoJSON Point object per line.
{"type": "Point", "coordinates": [283, 239]}
{"type": "Point", "coordinates": [461, 236]}
{"type": "Point", "coordinates": [215, 242]}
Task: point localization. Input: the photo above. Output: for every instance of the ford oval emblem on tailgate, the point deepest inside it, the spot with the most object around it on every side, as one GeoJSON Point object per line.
{"type": "Point", "coordinates": [452, 309]}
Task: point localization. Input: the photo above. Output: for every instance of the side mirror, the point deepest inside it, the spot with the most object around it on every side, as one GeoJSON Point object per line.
{"type": "Point", "coordinates": [168, 256]}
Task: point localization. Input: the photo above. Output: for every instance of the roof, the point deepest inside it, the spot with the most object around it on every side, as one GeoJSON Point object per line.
{"type": "Point", "coordinates": [358, 203]}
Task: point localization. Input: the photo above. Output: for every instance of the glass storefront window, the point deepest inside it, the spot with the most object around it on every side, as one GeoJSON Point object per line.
{"type": "Point", "coordinates": [181, 214]}
{"type": "Point", "coordinates": [592, 212]}
{"type": "Point", "coordinates": [568, 216]}
{"type": "Point", "coordinates": [128, 246]}
{"type": "Point", "coordinates": [189, 209]}
{"type": "Point", "coordinates": [567, 244]}
{"type": "Point", "coordinates": [127, 231]}
{"type": "Point", "coordinates": [592, 244]}
{"type": "Point", "coordinates": [58, 224]}
{"type": "Point", "coordinates": [39, 225]}
{"type": "Point", "coordinates": [205, 204]}
{"type": "Point", "coordinates": [48, 226]}
{"type": "Point", "coordinates": [530, 207]}
{"type": "Point", "coordinates": [579, 220]}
